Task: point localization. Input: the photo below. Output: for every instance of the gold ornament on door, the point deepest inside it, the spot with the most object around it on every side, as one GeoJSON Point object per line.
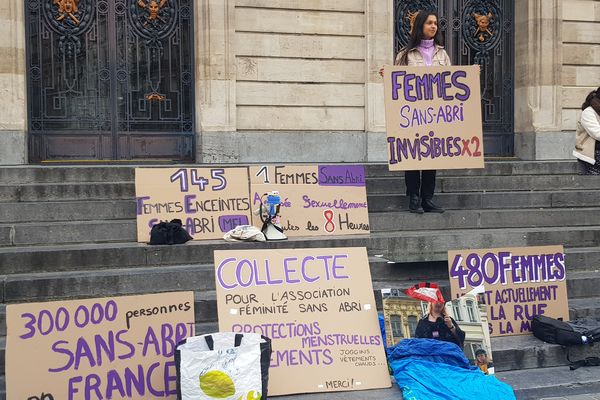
{"type": "Point", "coordinates": [153, 7]}
{"type": "Point", "coordinates": [483, 25]}
{"type": "Point", "coordinates": [411, 16]}
{"type": "Point", "coordinates": [67, 9]}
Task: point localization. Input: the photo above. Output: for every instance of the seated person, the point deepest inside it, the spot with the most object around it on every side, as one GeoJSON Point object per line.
{"type": "Point", "coordinates": [482, 362]}
{"type": "Point", "coordinates": [437, 324]}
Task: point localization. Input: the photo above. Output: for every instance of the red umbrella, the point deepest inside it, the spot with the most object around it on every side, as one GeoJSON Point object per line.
{"type": "Point", "coordinates": [425, 291]}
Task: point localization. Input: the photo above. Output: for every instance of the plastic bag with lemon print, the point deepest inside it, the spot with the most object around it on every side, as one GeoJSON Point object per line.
{"type": "Point", "coordinates": [226, 366]}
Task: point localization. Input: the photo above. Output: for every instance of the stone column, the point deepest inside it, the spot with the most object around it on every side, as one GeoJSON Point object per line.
{"type": "Point", "coordinates": [538, 86]}
{"type": "Point", "coordinates": [379, 52]}
{"type": "Point", "coordinates": [13, 105]}
{"type": "Point", "coordinates": [215, 80]}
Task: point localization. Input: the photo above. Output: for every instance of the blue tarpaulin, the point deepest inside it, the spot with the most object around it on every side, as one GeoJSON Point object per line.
{"type": "Point", "coordinates": [427, 369]}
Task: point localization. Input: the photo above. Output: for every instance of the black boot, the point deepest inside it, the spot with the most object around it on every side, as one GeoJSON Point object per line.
{"type": "Point", "coordinates": [414, 205]}
{"type": "Point", "coordinates": [430, 207]}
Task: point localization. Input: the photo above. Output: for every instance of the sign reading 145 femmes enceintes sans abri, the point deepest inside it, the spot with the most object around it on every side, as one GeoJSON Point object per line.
{"type": "Point", "coordinates": [433, 118]}
{"type": "Point", "coordinates": [318, 307]}
{"type": "Point", "coordinates": [517, 284]}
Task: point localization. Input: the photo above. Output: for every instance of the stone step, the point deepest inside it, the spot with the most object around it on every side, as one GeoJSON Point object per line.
{"type": "Point", "coordinates": [475, 219]}
{"type": "Point", "coordinates": [434, 245]}
{"type": "Point", "coordinates": [402, 247]}
{"type": "Point", "coordinates": [526, 351]}
{"type": "Point", "coordinates": [46, 233]}
{"type": "Point", "coordinates": [111, 173]}
{"type": "Point", "coordinates": [42, 192]}
{"type": "Point", "coordinates": [77, 210]}
{"type": "Point", "coordinates": [449, 184]}
{"type": "Point", "coordinates": [30, 174]}
{"type": "Point", "coordinates": [106, 210]}
{"type": "Point", "coordinates": [584, 307]}
{"type": "Point", "coordinates": [532, 384]}
{"type": "Point", "coordinates": [123, 281]}
{"type": "Point", "coordinates": [117, 190]}
{"type": "Point", "coordinates": [98, 231]}
{"type": "Point", "coordinates": [494, 168]}
{"type": "Point", "coordinates": [539, 383]}
{"type": "Point", "coordinates": [491, 200]}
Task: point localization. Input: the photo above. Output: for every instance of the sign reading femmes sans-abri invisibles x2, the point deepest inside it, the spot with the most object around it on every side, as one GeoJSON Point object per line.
{"type": "Point", "coordinates": [518, 283]}
{"type": "Point", "coordinates": [318, 307]}
{"type": "Point", "coordinates": [433, 118]}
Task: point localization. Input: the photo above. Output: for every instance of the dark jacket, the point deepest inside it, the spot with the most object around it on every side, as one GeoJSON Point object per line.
{"type": "Point", "coordinates": [438, 330]}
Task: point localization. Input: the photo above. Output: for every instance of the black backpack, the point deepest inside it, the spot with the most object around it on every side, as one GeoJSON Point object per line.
{"type": "Point", "coordinates": [169, 233]}
{"type": "Point", "coordinates": [575, 333]}
{"type": "Point", "coordinates": [555, 331]}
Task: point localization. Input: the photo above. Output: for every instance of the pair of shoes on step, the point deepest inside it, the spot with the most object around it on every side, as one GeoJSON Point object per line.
{"type": "Point", "coordinates": [417, 205]}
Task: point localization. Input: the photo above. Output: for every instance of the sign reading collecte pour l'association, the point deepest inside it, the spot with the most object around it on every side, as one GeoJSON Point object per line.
{"type": "Point", "coordinates": [317, 306]}
{"type": "Point", "coordinates": [433, 118]}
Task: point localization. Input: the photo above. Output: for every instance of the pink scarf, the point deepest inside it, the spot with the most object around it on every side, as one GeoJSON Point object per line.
{"type": "Point", "coordinates": [427, 49]}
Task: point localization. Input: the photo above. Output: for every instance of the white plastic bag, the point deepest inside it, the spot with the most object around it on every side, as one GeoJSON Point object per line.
{"type": "Point", "coordinates": [245, 233]}
{"type": "Point", "coordinates": [218, 369]}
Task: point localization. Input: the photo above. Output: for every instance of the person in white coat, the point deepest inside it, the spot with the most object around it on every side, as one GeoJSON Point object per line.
{"type": "Point", "coordinates": [587, 139]}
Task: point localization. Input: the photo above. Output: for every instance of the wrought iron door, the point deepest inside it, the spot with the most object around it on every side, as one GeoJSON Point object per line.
{"type": "Point", "coordinates": [110, 79]}
{"type": "Point", "coordinates": [476, 32]}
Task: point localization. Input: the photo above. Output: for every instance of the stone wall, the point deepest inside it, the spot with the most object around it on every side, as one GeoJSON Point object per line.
{"type": "Point", "coordinates": [581, 56]}
{"type": "Point", "coordinates": [13, 111]}
{"type": "Point", "coordinates": [302, 79]}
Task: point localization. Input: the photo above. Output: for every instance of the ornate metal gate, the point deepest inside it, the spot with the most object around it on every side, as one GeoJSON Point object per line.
{"type": "Point", "coordinates": [110, 79]}
{"type": "Point", "coordinates": [476, 32]}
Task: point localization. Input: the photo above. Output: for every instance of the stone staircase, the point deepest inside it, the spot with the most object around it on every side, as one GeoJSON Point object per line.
{"type": "Point", "coordinates": [68, 232]}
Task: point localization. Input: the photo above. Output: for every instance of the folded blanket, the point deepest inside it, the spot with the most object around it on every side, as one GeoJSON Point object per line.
{"type": "Point", "coordinates": [428, 369]}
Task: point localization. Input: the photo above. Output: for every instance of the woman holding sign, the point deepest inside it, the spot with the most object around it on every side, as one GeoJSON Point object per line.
{"type": "Point", "coordinates": [424, 49]}
{"type": "Point", "coordinates": [587, 146]}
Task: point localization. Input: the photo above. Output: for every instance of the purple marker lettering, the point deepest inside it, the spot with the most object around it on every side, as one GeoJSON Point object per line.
{"type": "Point", "coordinates": [188, 205]}
{"type": "Point", "coordinates": [337, 267]}
{"type": "Point", "coordinates": [304, 267]}
{"type": "Point", "coordinates": [151, 389]}
{"type": "Point", "coordinates": [72, 389]}
{"type": "Point", "coordinates": [220, 274]}
{"type": "Point", "coordinates": [395, 84]}
{"type": "Point", "coordinates": [132, 381]}
{"type": "Point", "coordinates": [140, 203]}
{"type": "Point", "coordinates": [288, 270]}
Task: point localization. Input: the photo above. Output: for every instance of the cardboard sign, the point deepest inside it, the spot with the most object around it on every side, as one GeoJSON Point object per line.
{"type": "Point", "coordinates": [317, 200]}
{"type": "Point", "coordinates": [518, 283]}
{"type": "Point", "coordinates": [433, 118]}
{"type": "Point", "coordinates": [209, 201]}
{"type": "Point", "coordinates": [318, 307]}
{"type": "Point", "coordinates": [119, 348]}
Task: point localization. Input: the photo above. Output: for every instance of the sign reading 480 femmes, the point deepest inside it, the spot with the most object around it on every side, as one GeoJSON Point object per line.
{"type": "Point", "coordinates": [208, 201]}
{"type": "Point", "coordinates": [518, 284]}
{"type": "Point", "coordinates": [433, 118]}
